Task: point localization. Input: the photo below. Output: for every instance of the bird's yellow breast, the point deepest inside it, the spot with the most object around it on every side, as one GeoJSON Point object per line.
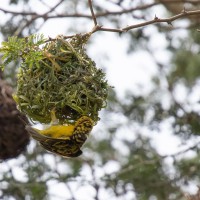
{"type": "Point", "coordinates": [57, 131]}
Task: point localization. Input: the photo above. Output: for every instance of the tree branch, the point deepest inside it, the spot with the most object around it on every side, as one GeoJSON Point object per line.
{"type": "Point", "coordinates": [97, 27]}
{"type": "Point", "coordinates": [169, 21]}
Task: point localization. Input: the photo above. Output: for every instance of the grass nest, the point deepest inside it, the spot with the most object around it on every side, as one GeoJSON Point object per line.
{"type": "Point", "coordinates": [60, 76]}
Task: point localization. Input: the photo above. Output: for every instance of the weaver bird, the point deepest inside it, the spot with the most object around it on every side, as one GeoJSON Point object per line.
{"type": "Point", "coordinates": [64, 140]}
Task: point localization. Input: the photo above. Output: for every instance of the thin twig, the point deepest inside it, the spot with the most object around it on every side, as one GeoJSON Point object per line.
{"type": "Point", "coordinates": [35, 17]}
{"type": "Point", "coordinates": [92, 12]}
{"type": "Point", "coordinates": [169, 20]}
{"type": "Point", "coordinates": [70, 191]}
{"type": "Point", "coordinates": [17, 13]}
{"type": "Point", "coordinates": [183, 151]}
{"type": "Point", "coordinates": [102, 14]}
{"type": "Point", "coordinates": [54, 7]}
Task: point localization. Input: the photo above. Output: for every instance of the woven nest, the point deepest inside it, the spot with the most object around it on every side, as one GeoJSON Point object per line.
{"type": "Point", "coordinates": [65, 80]}
{"type": "Point", "coordinates": [13, 137]}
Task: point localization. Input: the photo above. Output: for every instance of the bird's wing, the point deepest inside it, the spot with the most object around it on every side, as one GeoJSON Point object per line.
{"type": "Point", "coordinates": [67, 147]}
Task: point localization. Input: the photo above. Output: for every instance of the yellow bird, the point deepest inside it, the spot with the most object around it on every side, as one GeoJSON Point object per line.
{"type": "Point", "coordinates": [64, 140]}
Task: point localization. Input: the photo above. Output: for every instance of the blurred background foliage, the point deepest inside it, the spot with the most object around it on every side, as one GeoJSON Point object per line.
{"type": "Point", "coordinates": [121, 159]}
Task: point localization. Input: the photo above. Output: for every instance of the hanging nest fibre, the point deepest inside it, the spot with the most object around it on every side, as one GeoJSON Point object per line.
{"type": "Point", "coordinates": [63, 79]}
{"type": "Point", "coordinates": [13, 136]}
